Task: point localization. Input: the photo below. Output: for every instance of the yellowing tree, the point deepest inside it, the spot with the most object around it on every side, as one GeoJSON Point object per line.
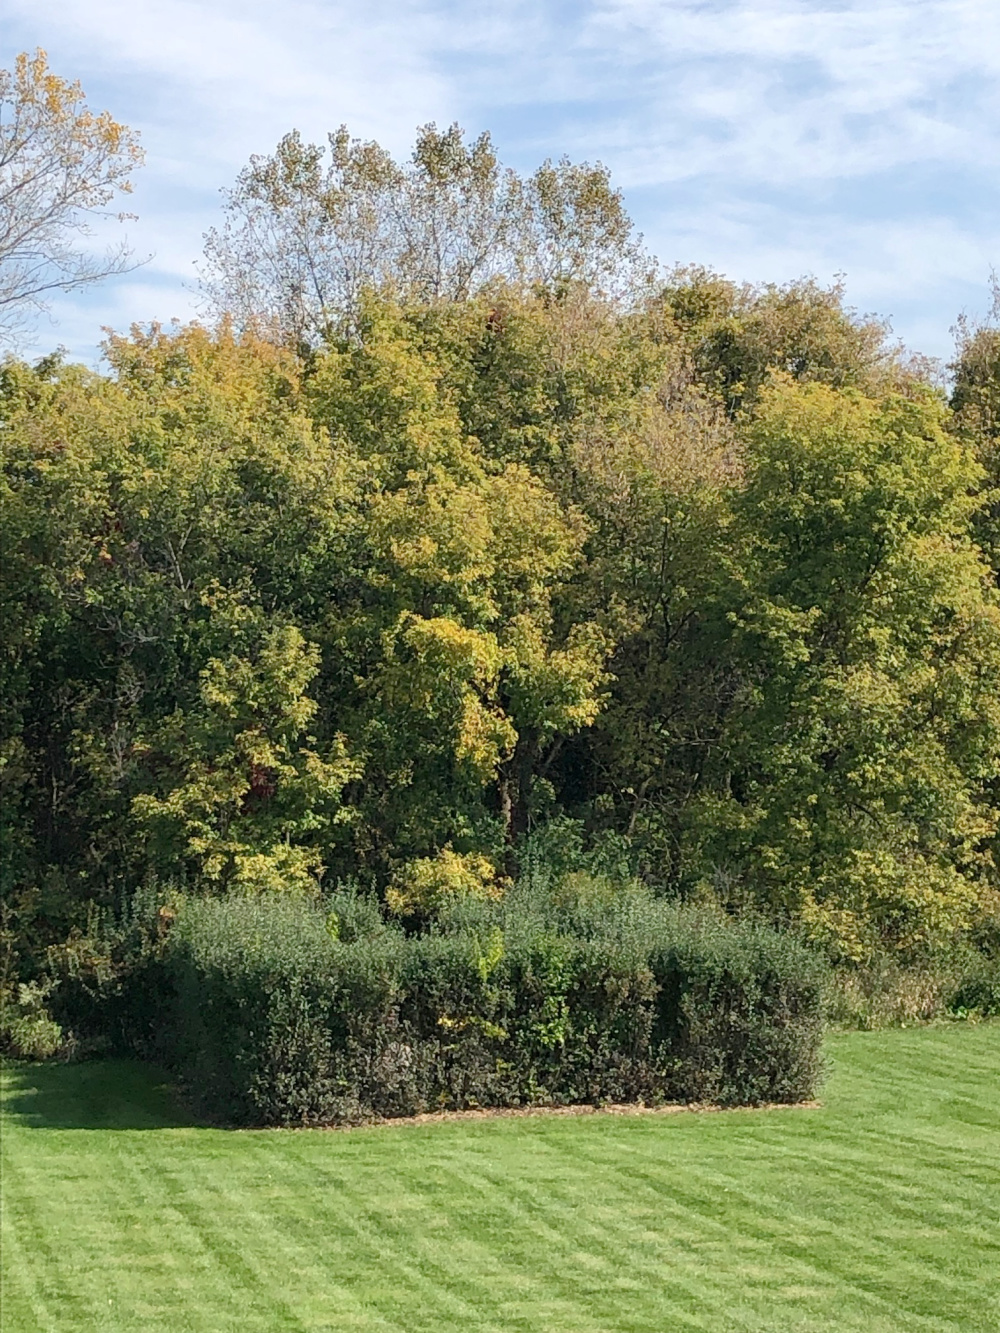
{"type": "Point", "coordinates": [60, 164]}
{"type": "Point", "coordinates": [309, 230]}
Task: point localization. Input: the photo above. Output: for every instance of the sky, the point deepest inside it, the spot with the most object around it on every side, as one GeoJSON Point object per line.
{"type": "Point", "coordinates": [767, 139]}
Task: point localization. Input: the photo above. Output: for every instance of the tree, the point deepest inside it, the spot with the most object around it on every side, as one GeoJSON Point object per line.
{"type": "Point", "coordinates": [243, 791]}
{"type": "Point", "coordinates": [60, 164]}
{"type": "Point", "coordinates": [975, 401]}
{"type": "Point", "coordinates": [303, 239]}
{"type": "Point", "coordinates": [469, 673]}
{"type": "Point", "coordinates": [852, 773]}
{"type": "Point", "coordinates": [737, 335]}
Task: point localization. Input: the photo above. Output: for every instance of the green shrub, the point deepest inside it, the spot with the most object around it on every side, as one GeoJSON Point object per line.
{"type": "Point", "coordinates": [276, 1017]}
{"type": "Point", "coordinates": [978, 991]}
{"type": "Point", "coordinates": [27, 1029]}
{"type": "Point", "coordinates": [962, 981]}
{"type": "Point", "coordinates": [108, 986]}
{"type": "Point", "coordinates": [352, 914]}
{"type": "Point", "coordinates": [740, 1012]}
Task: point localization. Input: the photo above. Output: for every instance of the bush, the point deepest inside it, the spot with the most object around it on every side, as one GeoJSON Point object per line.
{"type": "Point", "coordinates": [108, 986]}
{"type": "Point", "coordinates": [276, 1017]}
{"type": "Point", "coordinates": [27, 1029]}
{"type": "Point", "coordinates": [977, 993]}
{"type": "Point", "coordinates": [960, 982]}
{"type": "Point", "coordinates": [421, 887]}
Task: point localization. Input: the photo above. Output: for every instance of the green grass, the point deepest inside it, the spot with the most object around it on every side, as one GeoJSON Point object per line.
{"type": "Point", "coordinates": [879, 1211]}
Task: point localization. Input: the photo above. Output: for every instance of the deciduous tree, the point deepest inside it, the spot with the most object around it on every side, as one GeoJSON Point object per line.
{"type": "Point", "coordinates": [60, 165]}
{"type": "Point", "coordinates": [303, 238]}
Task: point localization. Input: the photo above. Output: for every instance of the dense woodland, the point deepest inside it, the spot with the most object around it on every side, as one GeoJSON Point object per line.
{"type": "Point", "coordinates": [460, 538]}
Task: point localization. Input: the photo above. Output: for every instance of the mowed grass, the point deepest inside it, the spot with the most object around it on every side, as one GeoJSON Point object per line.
{"type": "Point", "coordinates": [878, 1212]}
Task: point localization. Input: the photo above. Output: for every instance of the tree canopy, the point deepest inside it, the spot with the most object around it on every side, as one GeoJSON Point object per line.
{"type": "Point", "coordinates": [387, 606]}
{"type": "Point", "coordinates": [304, 238]}
{"type": "Point", "coordinates": [60, 165]}
{"type": "Point", "coordinates": [462, 538]}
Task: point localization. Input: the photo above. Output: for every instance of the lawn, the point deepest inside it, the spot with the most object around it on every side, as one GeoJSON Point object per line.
{"type": "Point", "coordinates": [877, 1212]}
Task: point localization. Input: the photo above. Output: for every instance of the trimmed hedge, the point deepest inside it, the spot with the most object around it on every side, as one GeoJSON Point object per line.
{"type": "Point", "coordinates": [279, 1015]}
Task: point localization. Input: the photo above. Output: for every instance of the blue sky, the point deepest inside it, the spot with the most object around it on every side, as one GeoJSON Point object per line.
{"type": "Point", "coordinates": [765, 138]}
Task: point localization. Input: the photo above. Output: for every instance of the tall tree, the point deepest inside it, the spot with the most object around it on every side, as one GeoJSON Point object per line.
{"type": "Point", "coordinates": [304, 237]}
{"type": "Point", "coordinates": [852, 774]}
{"type": "Point", "coordinates": [60, 164]}
{"type": "Point", "coordinates": [975, 401]}
{"type": "Point", "coordinates": [737, 334]}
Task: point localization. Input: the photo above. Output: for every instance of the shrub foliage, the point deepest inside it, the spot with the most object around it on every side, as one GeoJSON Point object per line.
{"type": "Point", "coordinates": [276, 1020]}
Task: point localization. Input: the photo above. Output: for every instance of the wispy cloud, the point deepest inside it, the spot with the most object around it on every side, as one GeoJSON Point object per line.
{"type": "Point", "coordinates": [246, 70]}
{"type": "Point", "coordinates": [776, 90]}
{"type": "Point", "coordinates": [769, 137]}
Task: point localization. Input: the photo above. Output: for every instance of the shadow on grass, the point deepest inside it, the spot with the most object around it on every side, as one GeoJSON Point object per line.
{"type": "Point", "coordinates": [98, 1094]}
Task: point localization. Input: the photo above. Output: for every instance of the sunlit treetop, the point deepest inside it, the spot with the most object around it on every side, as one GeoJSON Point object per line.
{"type": "Point", "coordinates": [61, 164]}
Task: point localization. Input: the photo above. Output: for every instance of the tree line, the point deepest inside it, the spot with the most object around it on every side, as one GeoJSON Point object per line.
{"type": "Point", "coordinates": [460, 531]}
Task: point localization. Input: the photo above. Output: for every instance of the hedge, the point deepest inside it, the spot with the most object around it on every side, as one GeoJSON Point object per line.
{"type": "Point", "coordinates": [278, 1012]}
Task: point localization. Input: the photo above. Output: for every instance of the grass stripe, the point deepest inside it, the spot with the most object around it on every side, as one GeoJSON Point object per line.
{"type": "Point", "coordinates": [877, 1213]}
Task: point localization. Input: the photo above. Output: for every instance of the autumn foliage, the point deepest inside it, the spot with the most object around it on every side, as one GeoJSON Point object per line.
{"type": "Point", "coordinates": [641, 575]}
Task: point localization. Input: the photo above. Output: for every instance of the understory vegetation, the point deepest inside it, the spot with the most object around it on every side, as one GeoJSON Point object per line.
{"type": "Point", "coordinates": [269, 1016]}
{"type": "Point", "coordinates": [509, 558]}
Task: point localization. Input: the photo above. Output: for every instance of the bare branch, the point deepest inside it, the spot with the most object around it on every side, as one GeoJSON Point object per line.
{"type": "Point", "coordinates": [60, 165]}
{"type": "Point", "coordinates": [303, 237]}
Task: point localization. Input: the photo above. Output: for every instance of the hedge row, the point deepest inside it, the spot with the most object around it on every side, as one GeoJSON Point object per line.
{"type": "Point", "coordinates": [278, 1012]}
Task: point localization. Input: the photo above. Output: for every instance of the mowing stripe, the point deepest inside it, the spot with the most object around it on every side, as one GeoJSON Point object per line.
{"type": "Point", "coordinates": [877, 1213]}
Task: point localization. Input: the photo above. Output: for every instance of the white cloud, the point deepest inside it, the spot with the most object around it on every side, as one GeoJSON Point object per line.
{"type": "Point", "coordinates": [245, 71]}
{"type": "Point", "coordinates": [774, 90]}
